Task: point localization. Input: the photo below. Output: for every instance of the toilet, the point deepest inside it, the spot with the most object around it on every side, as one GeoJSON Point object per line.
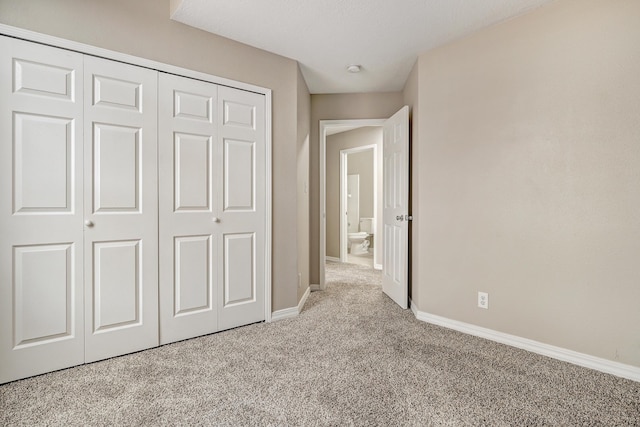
{"type": "Point", "coordinates": [359, 242]}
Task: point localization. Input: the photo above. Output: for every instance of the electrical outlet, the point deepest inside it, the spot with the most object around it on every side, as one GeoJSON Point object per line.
{"type": "Point", "coordinates": [483, 300]}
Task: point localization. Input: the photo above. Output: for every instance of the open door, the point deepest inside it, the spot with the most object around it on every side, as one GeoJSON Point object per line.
{"type": "Point", "coordinates": [395, 207]}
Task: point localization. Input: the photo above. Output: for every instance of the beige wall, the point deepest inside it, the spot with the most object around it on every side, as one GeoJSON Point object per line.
{"type": "Point", "coordinates": [352, 139]}
{"type": "Point", "coordinates": [143, 28]}
{"type": "Point", "coordinates": [529, 188]}
{"type": "Point", "coordinates": [339, 107]}
{"type": "Point", "coordinates": [304, 116]}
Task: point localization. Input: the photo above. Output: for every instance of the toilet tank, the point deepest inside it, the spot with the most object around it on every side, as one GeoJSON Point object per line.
{"type": "Point", "coordinates": [366, 224]}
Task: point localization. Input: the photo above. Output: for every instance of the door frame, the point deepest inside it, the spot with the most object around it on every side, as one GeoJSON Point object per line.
{"type": "Point", "coordinates": [46, 39]}
{"type": "Point", "coordinates": [325, 125]}
{"type": "Point", "coordinates": [344, 165]}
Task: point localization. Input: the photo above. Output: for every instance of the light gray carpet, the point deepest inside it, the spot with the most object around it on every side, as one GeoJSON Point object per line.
{"type": "Point", "coordinates": [351, 358]}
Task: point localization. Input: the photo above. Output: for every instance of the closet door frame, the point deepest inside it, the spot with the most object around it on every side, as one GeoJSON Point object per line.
{"type": "Point", "coordinates": [46, 39]}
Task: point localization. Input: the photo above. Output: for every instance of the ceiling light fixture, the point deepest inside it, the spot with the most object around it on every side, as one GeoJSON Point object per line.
{"type": "Point", "coordinates": [354, 68]}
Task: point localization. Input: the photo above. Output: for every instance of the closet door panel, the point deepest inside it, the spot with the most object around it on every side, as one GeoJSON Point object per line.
{"type": "Point", "coordinates": [192, 158]}
{"type": "Point", "coordinates": [121, 243]}
{"type": "Point", "coordinates": [116, 168]}
{"type": "Point", "coordinates": [116, 285]}
{"type": "Point", "coordinates": [41, 246]}
{"type": "Point", "coordinates": [193, 268]}
{"type": "Point", "coordinates": [189, 233]}
{"type": "Point", "coordinates": [239, 269]}
{"type": "Point", "coordinates": [241, 146]}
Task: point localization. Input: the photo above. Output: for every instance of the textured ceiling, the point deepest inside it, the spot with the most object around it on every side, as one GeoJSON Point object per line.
{"type": "Point", "coordinates": [325, 36]}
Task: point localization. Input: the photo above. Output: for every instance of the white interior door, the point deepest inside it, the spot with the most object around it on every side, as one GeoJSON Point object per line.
{"type": "Point", "coordinates": [395, 207]}
{"type": "Point", "coordinates": [189, 207]}
{"type": "Point", "coordinates": [41, 295]}
{"type": "Point", "coordinates": [241, 200]}
{"type": "Point", "coordinates": [121, 199]}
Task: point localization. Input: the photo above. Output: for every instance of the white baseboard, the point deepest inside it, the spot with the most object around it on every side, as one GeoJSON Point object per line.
{"type": "Point", "coordinates": [332, 259]}
{"type": "Point", "coordinates": [377, 266]}
{"type": "Point", "coordinates": [603, 365]}
{"type": "Point", "coordinates": [291, 312]}
{"type": "Point", "coordinates": [285, 313]}
{"type": "Point", "coordinates": [304, 299]}
{"type": "Point", "coordinates": [413, 308]}
{"type": "Point", "coordinates": [314, 288]}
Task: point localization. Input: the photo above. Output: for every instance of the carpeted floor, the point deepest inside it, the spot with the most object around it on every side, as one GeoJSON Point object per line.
{"type": "Point", "coordinates": [352, 357]}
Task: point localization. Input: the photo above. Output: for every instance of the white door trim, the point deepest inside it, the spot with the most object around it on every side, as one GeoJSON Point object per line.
{"type": "Point", "coordinates": [324, 126]}
{"type": "Point", "coordinates": [344, 165]}
{"type": "Point", "coordinates": [46, 39]}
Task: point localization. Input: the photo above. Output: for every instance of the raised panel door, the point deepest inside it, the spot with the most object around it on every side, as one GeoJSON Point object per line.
{"type": "Point", "coordinates": [120, 207]}
{"type": "Point", "coordinates": [41, 294]}
{"type": "Point", "coordinates": [189, 209]}
{"type": "Point", "coordinates": [241, 147]}
{"type": "Point", "coordinates": [395, 207]}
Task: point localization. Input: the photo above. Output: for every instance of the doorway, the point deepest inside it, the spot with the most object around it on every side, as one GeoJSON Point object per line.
{"type": "Point", "coordinates": [358, 200]}
{"type": "Point", "coordinates": [328, 128]}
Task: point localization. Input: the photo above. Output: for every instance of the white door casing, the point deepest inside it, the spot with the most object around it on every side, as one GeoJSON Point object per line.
{"type": "Point", "coordinates": [41, 294]}
{"type": "Point", "coordinates": [120, 204]}
{"type": "Point", "coordinates": [242, 207]}
{"type": "Point", "coordinates": [189, 208]}
{"type": "Point", "coordinates": [395, 207]}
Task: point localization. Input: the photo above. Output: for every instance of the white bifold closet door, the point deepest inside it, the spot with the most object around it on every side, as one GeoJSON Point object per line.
{"type": "Point", "coordinates": [41, 193]}
{"type": "Point", "coordinates": [86, 215]}
{"type": "Point", "coordinates": [188, 208]}
{"type": "Point", "coordinates": [120, 205]}
{"type": "Point", "coordinates": [242, 194]}
{"type": "Point", "coordinates": [212, 207]}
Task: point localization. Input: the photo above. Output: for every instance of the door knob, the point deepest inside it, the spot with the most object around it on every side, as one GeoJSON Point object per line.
{"type": "Point", "coordinates": [215, 219]}
{"type": "Point", "coordinates": [400, 218]}
{"type": "Point", "coordinates": [88, 223]}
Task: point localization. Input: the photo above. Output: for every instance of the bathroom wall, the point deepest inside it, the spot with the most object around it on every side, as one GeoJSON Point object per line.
{"type": "Point", "coordinates": [355, 138]}
{"type": "Point", "coordinates": [361, 163]}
